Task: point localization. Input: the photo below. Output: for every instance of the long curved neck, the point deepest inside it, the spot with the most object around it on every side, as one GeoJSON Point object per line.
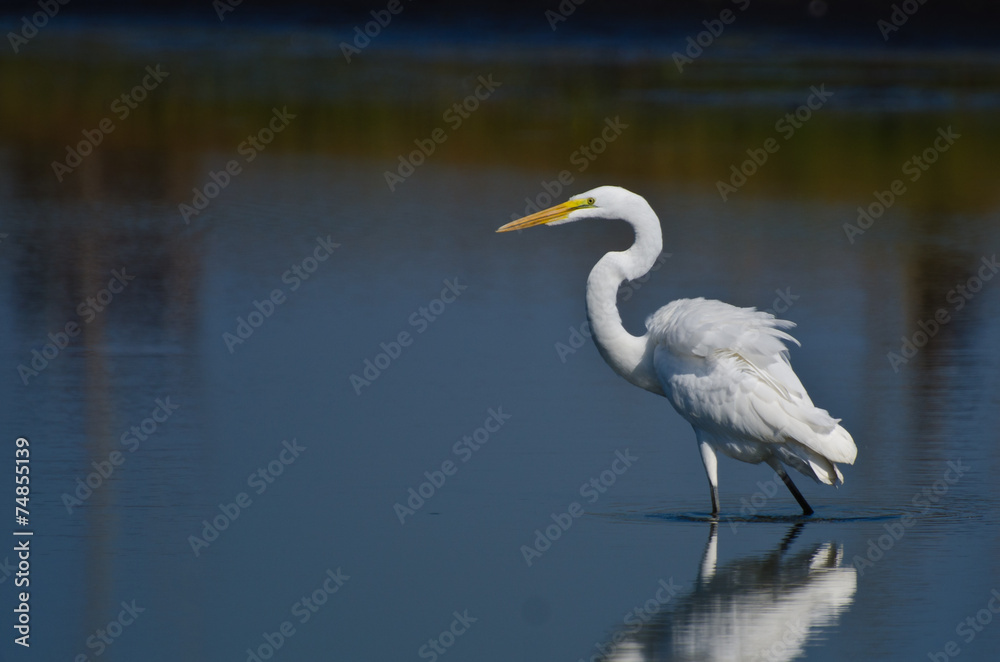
{"type": "Point", "coordinates": [627, 355]}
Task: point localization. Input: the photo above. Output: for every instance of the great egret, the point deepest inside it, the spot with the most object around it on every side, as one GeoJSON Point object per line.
{"type": "Point", "coordinates": [724, 369]}
{"type": "Point", "coordinates": [757, 607]}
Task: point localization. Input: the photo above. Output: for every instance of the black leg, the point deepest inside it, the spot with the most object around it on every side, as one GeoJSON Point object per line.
{"type": "Point", "coordinates": [787, 480]}
{"type": "Point", "coordinates": [715, 499]}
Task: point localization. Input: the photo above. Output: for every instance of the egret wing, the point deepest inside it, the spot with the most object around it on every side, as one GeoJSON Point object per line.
{"type": "Point", "coordinates": [726, 370]}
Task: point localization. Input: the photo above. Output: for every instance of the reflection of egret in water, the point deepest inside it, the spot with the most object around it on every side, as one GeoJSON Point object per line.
{"type": "Point", "coordinates": [754, 608]}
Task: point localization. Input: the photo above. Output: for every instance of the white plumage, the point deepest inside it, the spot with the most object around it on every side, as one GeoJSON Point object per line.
{"type": "Point", "coordinates": [724, 369]}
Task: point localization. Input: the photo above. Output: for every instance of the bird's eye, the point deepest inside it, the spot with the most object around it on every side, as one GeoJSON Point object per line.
{"type": "Point", "coordinates": [590, 201]}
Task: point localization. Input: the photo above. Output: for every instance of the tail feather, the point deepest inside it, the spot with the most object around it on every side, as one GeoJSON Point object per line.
{"type": "Point", "coordinates": [840, 446]}
{"type": "Point", "coordinates": [810, 463]}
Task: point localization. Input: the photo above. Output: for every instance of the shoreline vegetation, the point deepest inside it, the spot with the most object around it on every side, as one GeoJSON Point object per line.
{"type": "Point", "coordinates": [689, 129]}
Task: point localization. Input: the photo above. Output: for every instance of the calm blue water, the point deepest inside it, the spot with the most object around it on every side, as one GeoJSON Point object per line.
{"type": "Point", "coordinates": [477, 382]}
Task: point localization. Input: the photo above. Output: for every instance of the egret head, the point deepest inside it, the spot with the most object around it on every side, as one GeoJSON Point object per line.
{"type": "Point", "coordinates": [601, 202]}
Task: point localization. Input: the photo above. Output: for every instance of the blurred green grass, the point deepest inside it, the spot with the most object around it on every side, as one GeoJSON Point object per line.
{"type": "Point", "coordinates": [684, 128]}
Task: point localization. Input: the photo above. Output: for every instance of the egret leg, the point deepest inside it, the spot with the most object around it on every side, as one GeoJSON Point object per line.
{"type": "Point", "coordinates": [787, 480]}
{"type": "Point", "coordinates": [712, 470]}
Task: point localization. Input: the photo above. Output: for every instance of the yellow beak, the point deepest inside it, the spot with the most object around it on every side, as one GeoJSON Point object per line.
{"type": "Point", "coordinates": [556, 213]}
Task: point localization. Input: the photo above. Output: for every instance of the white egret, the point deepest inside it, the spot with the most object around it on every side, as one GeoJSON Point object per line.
{"type": "Point", "coordinates": [758, 607]}
{"type": "Point", "coordinates": [724, 369]}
